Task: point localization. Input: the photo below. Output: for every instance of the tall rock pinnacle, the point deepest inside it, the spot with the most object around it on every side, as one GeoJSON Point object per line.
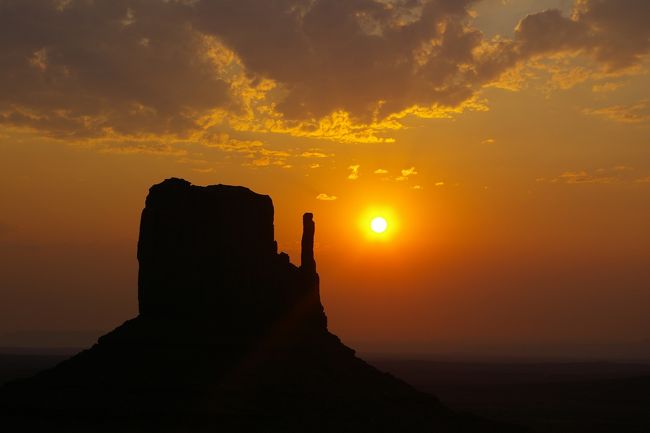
{"type": "Point", "coordinates": [307, 262]}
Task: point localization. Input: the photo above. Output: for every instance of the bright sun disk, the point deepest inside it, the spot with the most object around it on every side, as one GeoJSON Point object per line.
{"type": "Point", "coordinates": [378, 225]}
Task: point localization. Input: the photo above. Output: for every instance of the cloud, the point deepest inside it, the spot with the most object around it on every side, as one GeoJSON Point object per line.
{"type": "Point", "coordinates": [264, 157]}
{"type": "Point", "coordinates": [203, 170]}
{"type": "Point", "coordinates": [313, 154]}
{"type": "Point", "coordinates": [488, 141]}
{"type": "Point", "coordinates": [606, 87]}
{"type": "Point", "coordinates": [261, 162]}
{"type": "Point", "coordinates": [635, 113]}
{"type": "Point", "coordinates": [612, 35]}
{"type": "Point", "coordinates": [380, 171]}
{"type": "Point", "coordinates": [409, 172]}
{"type": "Point", "coordinates": [350, 71]}
{"type": "Point", "coordinates": [226, 143]}
{"type": "Point", "coordinates": [612, 175]}
{"type": "Point", "coordinates": [340, 70]}
{"type": "Point", "coordinates": [406, 173]}
{"type": "Point", "coordinates": [133, 147]}
{"type": "Point", "coordinates": [582, 177]}
{"type": "Point", "coordinates": [189, 160]}
{"type": "Point", "coordinates": [613, 32]}
{"type": "Point", "coordinates": [354, 172]}
{"type": "Point", "coordinates": [361, 57]}
{"type": "Point", "coordinates": [326, 197]}
{"type": "Point", "coordinates": [94, 78]}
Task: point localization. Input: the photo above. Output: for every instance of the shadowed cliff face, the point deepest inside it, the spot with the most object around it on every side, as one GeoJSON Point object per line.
{"type": "Point", "coordinates": [208, 254]}
{"type": "Point", "coordinates": [230, 337]}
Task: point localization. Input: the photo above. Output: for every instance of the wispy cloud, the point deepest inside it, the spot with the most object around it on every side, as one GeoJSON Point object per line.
{"type": "Point", "coordinates": [606, 87]}
{"type": "Point", "coordinates": [192, 160]}
{"type": "Point", "coordinates": [314, 154]}
{"type": "Point", "coordinates": [326, 197]}
{"type": "Point", "coordinates": [631, 114]}
{"type": "Point", "coordinates": [203, 170]}
{"type": "Point", "coordinates": [380, 171]}
{"type": "Point", "coordinates": [261, 162]}
{"type": "Point", "coordinates": [406, 173]}
{"type": "Point", "coordinates": [409, 171]}
{"type": "Point", "coordinates": [131, 147]}
{"type": "Point", "coordinates": [612, 175]}
{"type": "Point", "coordinates": [354, 172]}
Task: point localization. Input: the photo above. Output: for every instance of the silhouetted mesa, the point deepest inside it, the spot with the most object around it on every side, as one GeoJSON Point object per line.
{"type": "Point", "coordinates": [207, 255]}
{"type": "Point", "coordinates": [230, 337]}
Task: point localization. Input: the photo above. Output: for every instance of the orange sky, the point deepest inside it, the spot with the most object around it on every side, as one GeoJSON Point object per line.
{"type": "Point", "coordinates": [507, 143]}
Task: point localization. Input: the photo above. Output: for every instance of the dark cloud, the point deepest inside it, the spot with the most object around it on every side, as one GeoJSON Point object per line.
{"type": "Point", "coordinates": [97, 68]}
{"type": "Point", "coordinates": [94, 67]}
{"type": "Point", "coordinates": [86, 68]}
{"type": "Point", "coordinates": [352, 55]}
{"type": "Point", "coordinates": [615, 32]}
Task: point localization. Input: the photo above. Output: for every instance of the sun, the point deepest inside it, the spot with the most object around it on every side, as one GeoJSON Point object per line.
{"type": "Point", "coordinates": [378, 225]}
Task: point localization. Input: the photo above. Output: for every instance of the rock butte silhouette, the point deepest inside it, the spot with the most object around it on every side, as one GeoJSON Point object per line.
{"type": "Point", "coordinates": [230, 336]}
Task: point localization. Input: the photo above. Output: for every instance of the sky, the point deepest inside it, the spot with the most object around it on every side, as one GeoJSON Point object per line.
{"type": "Point", "coordinates": [506, 142]}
